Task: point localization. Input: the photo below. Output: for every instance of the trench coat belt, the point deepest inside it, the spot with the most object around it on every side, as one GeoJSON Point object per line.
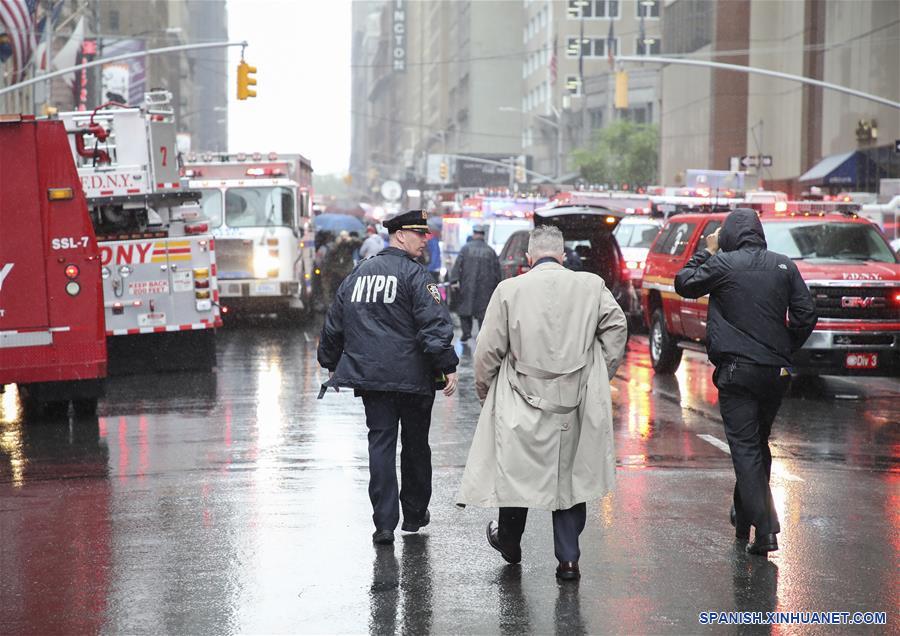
{"type": "Point", "coordinates": [543, 374]}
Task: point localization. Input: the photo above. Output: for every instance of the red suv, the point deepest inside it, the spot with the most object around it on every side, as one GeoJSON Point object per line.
{"type": "Point", "coordinates": [851, 271]}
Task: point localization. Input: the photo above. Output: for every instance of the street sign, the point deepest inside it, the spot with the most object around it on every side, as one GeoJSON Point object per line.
{"type": "Point", "coordinates": [391, 190]}
{"type": "Point", "coordinates": [756, 161]}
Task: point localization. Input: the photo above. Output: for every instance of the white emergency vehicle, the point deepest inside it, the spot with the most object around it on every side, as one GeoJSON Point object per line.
{"type": "Point", "coordinates": [160, 294]}
{"type": "Point", "coordinates": [259, 209]}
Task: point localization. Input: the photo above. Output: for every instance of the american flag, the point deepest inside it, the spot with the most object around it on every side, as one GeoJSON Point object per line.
{"type": "Point", "coordinates": [17, 20]}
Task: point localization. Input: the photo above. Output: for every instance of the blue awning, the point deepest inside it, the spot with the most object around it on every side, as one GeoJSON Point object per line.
{"type": "Point", "coordinates": [839, 169]}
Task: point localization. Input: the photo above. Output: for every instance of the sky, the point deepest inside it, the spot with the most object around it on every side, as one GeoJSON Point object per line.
{"type": "Point", "coordinates": [301, 49]}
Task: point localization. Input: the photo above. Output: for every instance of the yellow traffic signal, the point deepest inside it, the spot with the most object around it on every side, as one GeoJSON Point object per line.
{"type": "Point", "coordinates": [444, 171]}
{"type": "Point", "coordinates": [621, 95]}
{"type": "Point", "coordinates": [245, 81]}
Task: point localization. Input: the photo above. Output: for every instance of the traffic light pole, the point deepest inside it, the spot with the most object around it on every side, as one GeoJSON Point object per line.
{"type": "Point", "coordinates": [654, 59]}
{"type": "Point", "coordinates": [117, 58]}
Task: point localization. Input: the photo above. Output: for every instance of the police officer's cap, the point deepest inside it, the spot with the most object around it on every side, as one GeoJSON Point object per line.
{"type": "Point", "coordinates": [415, 220]}
{"type": "Point", "coordinates": [480, 229]}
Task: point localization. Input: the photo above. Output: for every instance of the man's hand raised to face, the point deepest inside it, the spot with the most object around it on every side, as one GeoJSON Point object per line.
{"type": "Point", "coordinates": [712, 241]}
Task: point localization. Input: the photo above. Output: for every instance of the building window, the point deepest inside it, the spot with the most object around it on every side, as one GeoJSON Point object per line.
{"type": "Point", "coordinates": [590, 47]}
{"type": "Point", "coordinates": [648, 8]}
{"type": "Point", "coordinates": [573, 85]}
{"type": "Point", "coordinates": [647, 46]}
{"type": "Point", "coordinates": [596, 118]}
{"type": "Point", "coordinates": [114, 20]}
{"type": "Point", "coordinates": [596, 9]}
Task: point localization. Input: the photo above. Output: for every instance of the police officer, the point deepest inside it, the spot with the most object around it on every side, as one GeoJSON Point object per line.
{"type": "Point", "coordinates": [751, 290]}
{"type": "Point", "coordinates": [388, 337]}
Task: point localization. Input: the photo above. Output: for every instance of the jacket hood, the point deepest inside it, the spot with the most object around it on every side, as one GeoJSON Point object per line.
{"type": "Point", "coordinates": [741, 229]}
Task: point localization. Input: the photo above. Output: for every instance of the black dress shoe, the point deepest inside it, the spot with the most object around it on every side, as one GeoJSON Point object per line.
{"type": "Point", "coordinates": [511, 554]}
{"type": "Point", "coordinates": [568, 571]}
{"type": "Point", "coordinates": [413, 526]}
{"type": "Point", "coordinates": [763, 543]}
{"type": "Point", "coordinates": [383, 537]}
{"type": "Point", "coordinates": [742, 533]}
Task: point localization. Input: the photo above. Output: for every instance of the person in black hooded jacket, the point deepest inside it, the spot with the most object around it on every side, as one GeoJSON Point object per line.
{"type": "Point", "coordinates": [760, 313]}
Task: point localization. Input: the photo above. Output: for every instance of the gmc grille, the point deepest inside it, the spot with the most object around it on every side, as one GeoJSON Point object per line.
{"type": "Point", "coordinates": [861, 303]}
{"type": "Point", "coordinates": [234, 258]}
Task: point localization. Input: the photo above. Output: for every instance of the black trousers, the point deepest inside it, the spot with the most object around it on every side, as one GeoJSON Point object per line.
{"type": "Point", "coordinates": [465, 322]}
{"type": "Point", "coordinates": [749, 398]}
{"type": "Point", "coordinates": [387, 413]}
{"type": "Point", "coordinates": [567, 527]}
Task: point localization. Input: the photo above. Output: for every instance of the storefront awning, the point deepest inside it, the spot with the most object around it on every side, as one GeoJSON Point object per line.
{"type": "Point", "coordinates": [839, 169]}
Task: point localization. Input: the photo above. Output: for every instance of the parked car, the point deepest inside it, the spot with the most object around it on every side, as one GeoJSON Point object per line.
{"type": "Point", "coordinates": [851, 271]}
{"type": "Point", "coordinates": [590, 246]}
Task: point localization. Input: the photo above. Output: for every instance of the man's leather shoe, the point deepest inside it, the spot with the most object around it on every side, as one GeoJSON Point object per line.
{"type": "Point", "coordinates": [410, 526]}
{"type": "Point", "coordinates": [763, 543]}
{"type": "Point", "coordinates": [568, 571]}
{"type": "Point", "coordinates": [742, 533]}
{"type": "Point", "coordinates": [383, 537]}
{"type": "Point", "coordinates": [511, 554]}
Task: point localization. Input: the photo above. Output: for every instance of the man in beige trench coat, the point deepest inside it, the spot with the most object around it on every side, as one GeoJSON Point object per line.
{"type": "Point", "coordinates": [551, 341]}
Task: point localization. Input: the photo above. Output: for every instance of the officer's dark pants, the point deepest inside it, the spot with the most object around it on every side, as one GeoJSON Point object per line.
{"type": "Point", "coordinates": [749, 398]}
{"type": "Point", "coordinates": [386, 412]}
{"type": "Point", "coordinates": [567, 527]}
{"type": "Point", "coordinates": [465, 322]}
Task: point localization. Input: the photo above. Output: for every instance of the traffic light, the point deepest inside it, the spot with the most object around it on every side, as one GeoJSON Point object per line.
{"type": "Point", "coordinates": [621, 96]}
{"type": "Point", "coordinates": [245, 81]}
{"type": "Point", "coordinates": [444, 171]}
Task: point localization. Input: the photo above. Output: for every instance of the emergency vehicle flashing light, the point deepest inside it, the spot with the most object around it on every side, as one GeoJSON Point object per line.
{"type": "Point", "coordinates": [72, 271]}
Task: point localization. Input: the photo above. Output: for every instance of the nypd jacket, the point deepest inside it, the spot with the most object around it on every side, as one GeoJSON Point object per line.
{"type": "Point", "coordinates": [751, 291]}
{"type": "Point", "coordinates": [387, 329]}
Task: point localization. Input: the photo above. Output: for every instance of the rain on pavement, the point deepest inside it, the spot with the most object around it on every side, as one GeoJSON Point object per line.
{"type": "Point", "coordinates": [235, 502]}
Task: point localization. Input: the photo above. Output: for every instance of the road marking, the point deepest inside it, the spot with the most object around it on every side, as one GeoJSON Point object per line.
{"type": "Point", "coordinates": [722, 446]}
{"type": "Point", "coordinates": [715, 441]}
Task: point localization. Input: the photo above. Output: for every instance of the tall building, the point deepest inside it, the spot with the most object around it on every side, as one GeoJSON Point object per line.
{"type": "Point", "coordinates": [492, 80]}
{"type": "Point", "coordinates": [107, 28]}
{"type": "Point", "coordinates": [569, 81]}
{"type": "Point", "coordinates": [814, 136]}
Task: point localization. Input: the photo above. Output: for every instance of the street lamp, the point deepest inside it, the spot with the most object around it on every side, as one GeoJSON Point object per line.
{"type": "Point", "coordinates": [556, 125]}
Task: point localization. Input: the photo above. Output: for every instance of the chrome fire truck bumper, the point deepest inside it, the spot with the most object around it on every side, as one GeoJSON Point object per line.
{"type": "Point", "coordinates": [832, 352]}
{"type": "Point", "coordinates": [260, 289]}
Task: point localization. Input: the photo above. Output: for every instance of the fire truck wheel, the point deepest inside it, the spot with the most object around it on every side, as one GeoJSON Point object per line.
{"type": "Point", "coordinates": [665, 355]}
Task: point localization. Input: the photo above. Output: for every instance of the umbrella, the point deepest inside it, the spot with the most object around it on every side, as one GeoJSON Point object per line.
{"type": "Point", "coordinates": [335, 223]}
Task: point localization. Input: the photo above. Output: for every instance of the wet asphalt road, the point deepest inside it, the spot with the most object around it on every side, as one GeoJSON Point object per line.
{"type": "Point", "coordinates": [235, 502]}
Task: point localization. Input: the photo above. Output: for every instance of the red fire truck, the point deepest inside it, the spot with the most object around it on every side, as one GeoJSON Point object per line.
{"type": "Point", "coordinates": [853, 275]}
{"type": "Point", "coordinates": [52, 339]}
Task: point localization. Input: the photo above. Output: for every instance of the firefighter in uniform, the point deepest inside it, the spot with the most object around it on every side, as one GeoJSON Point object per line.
{"type": "Point", "coordinates": [388, 337]}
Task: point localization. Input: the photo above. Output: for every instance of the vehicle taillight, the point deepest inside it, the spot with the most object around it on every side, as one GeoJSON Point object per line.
{"type": "Point", "coordinates": [71, 271]}
{"type": "Point", "coordinates": [624, 272]}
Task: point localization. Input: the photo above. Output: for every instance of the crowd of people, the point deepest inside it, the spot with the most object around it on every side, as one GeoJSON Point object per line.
{"type": "Point", "coordinates": [550, 342]}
